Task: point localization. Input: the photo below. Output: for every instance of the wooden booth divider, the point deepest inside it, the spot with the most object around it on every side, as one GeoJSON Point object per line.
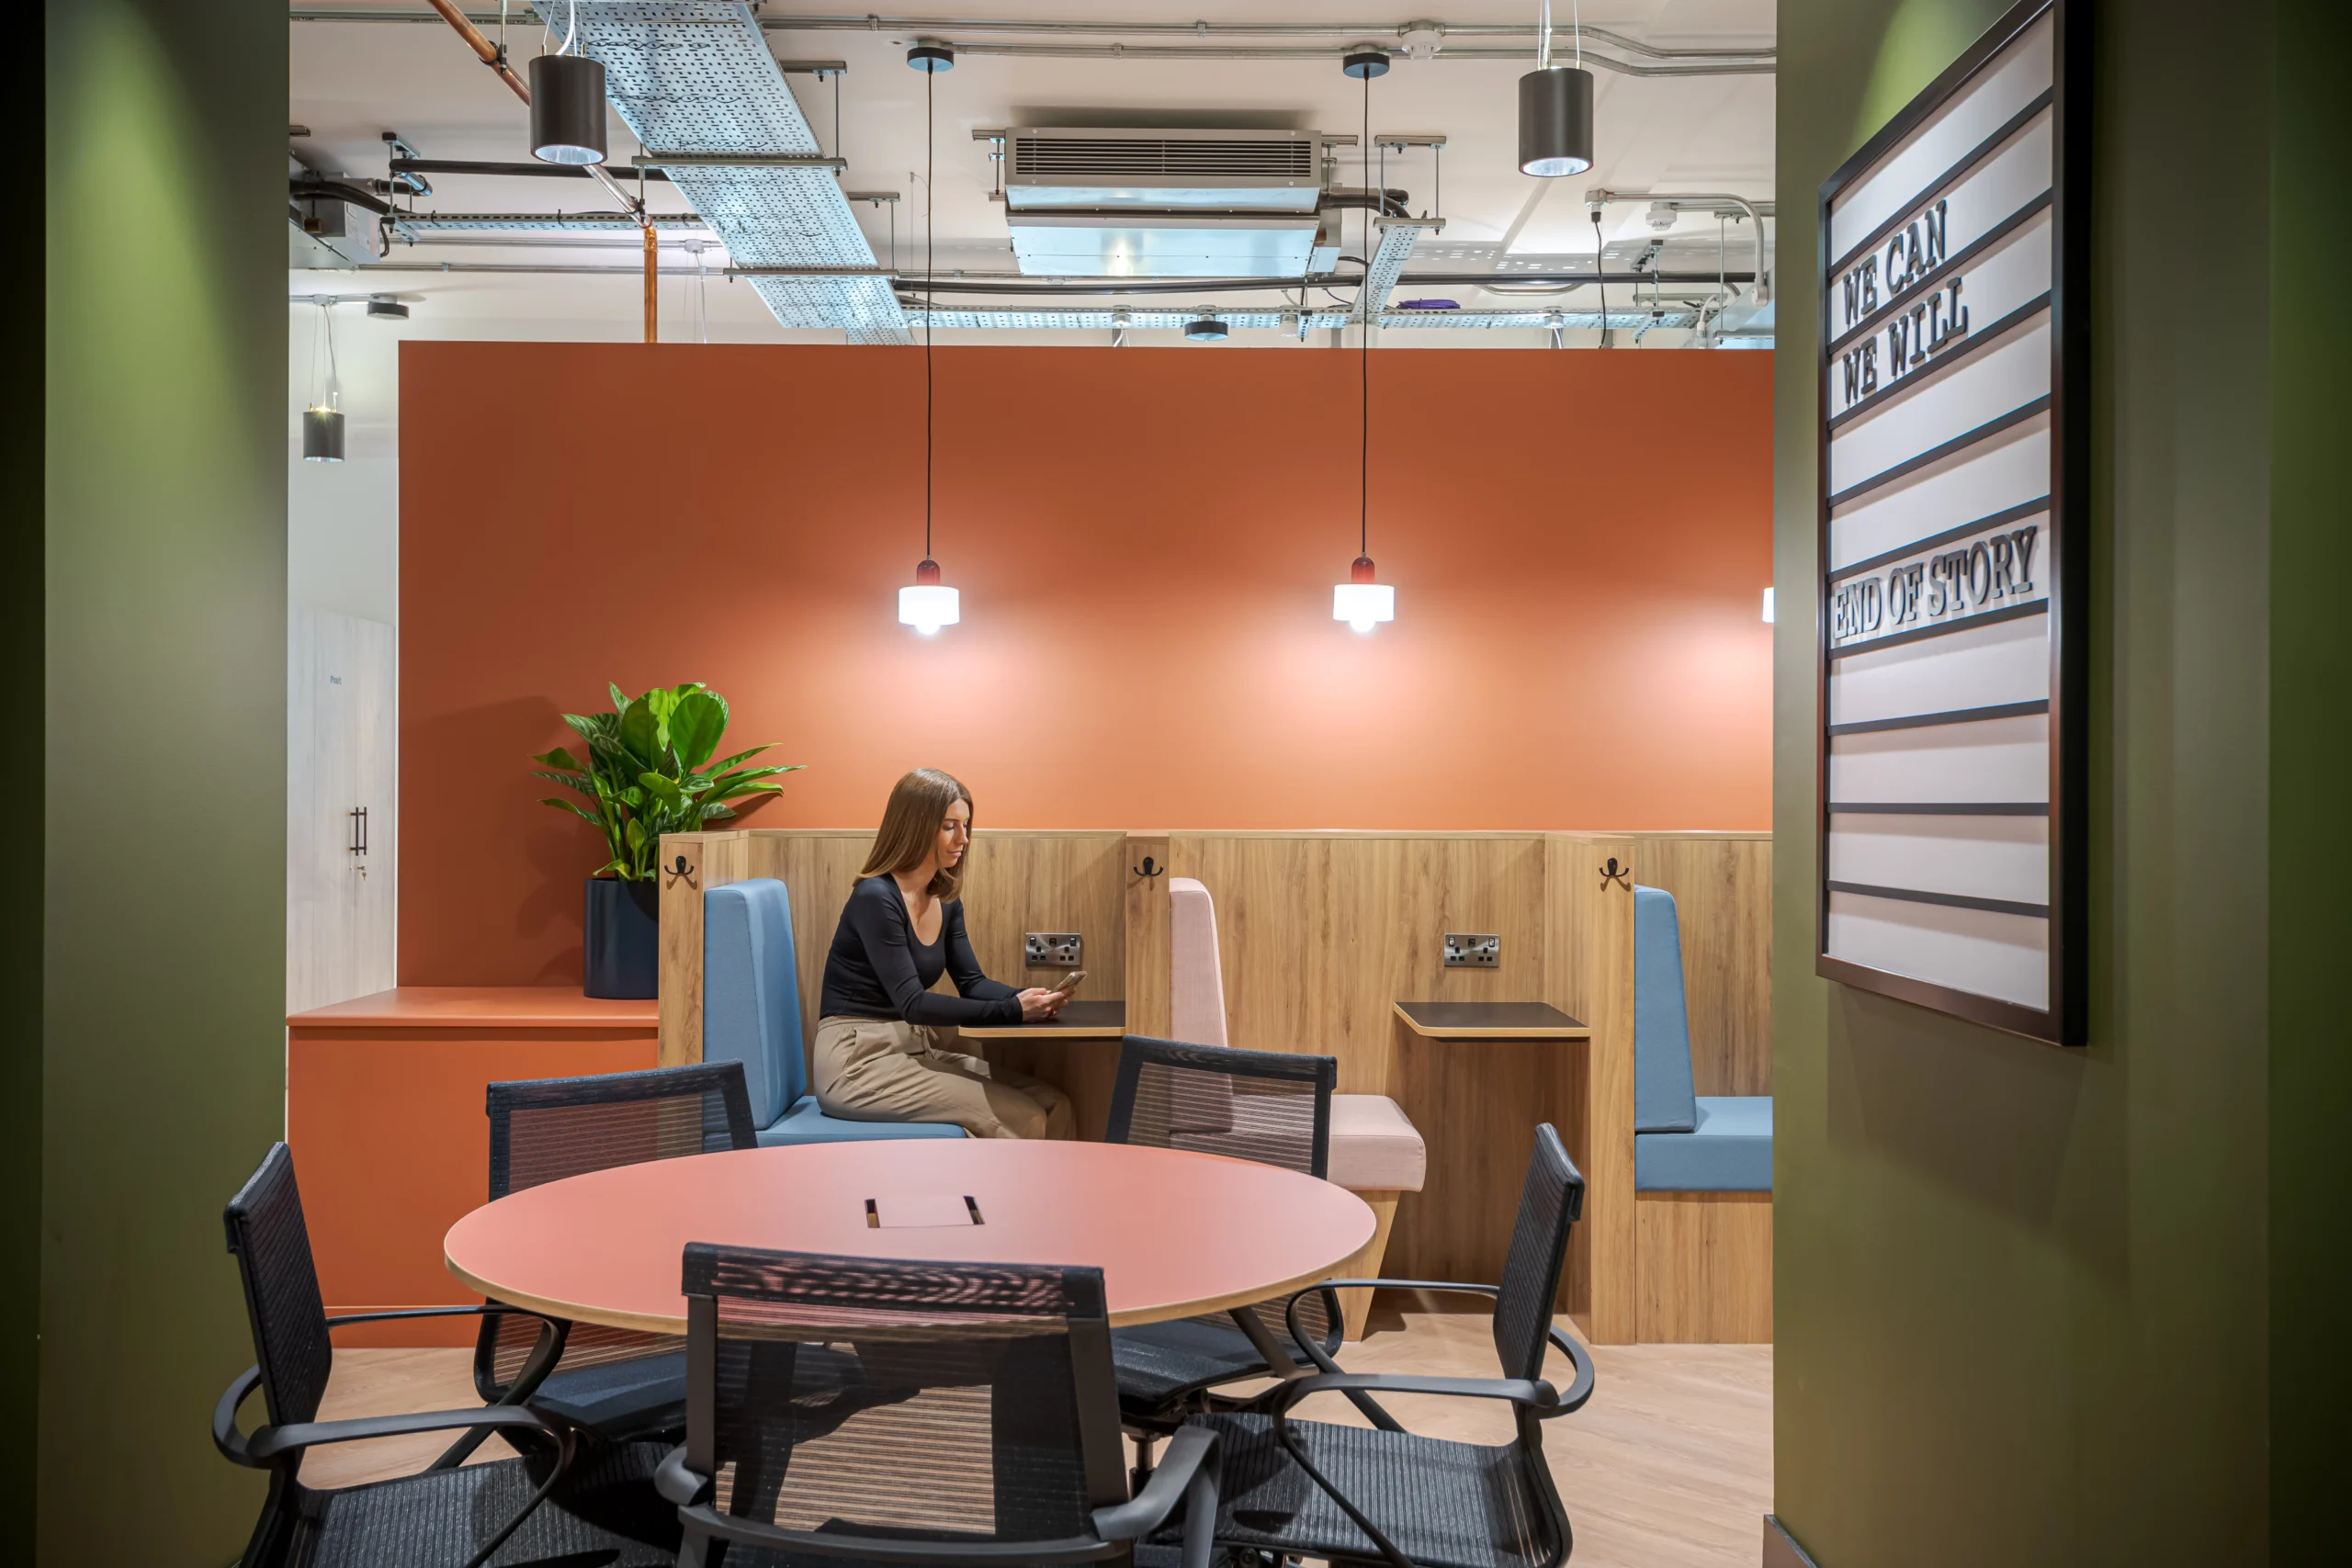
{"type": "Point", "coordinates": [1320, 935]}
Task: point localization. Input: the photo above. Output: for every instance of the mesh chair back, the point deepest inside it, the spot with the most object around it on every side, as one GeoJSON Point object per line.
{"type": "Point", "coordinates": [1549, 1203]}
{"type": "Point", "coordinates": [289, 1320]}
{"type": "Point", "coordinates": [1272, 1106]}
{"type": "Point", "coordinates": [544, 1129]}
{"type": "Point", "coordinates": [939, 1401]}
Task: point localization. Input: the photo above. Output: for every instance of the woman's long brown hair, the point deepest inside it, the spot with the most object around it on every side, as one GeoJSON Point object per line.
{"type": "Point", "coordinates": [910, 830]}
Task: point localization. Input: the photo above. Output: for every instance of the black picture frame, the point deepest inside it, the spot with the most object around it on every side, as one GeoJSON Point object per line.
{"type": "Point", "coordinates": [2064, 1021]}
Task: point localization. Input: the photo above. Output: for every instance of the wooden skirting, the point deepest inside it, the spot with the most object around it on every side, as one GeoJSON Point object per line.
{"type": "Point", "coordinates": [1706, 1267]}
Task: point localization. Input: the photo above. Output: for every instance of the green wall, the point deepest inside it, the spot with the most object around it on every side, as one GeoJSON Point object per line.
{"type": "Point", "coordinates": [2029, 1301]}
{"type": "Point", "coordinates": [2310, 783]}
{"type": "Point", "coordinates": [164, 861]}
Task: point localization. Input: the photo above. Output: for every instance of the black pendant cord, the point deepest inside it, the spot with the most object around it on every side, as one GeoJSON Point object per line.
{"type": "Point", "coordinates": [1601, 272]}
{"type": "Point", "coordinates": [1364, 355]}
{"type": "Point", "coordinates": [930, 298]}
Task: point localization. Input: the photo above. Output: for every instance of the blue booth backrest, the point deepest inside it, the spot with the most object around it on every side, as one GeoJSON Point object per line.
{"type": "Point", "coordinates": [1665, 1096]}
{"type": "Point", "coordinates": [751, 992]}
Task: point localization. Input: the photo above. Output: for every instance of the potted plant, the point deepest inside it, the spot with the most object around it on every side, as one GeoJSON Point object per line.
{"type": "Point", "coordinates": [648, 773]}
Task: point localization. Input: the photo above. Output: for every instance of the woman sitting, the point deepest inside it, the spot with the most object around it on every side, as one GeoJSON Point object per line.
{"type": "Point", "coordinates": [885, 1041]}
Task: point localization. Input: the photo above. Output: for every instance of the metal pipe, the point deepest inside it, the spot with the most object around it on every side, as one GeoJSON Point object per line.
{"type": "Point", "coordinates": [495, 58]}
{"type": "Point", "coordinates": [652, 287]}
{"type": "Point", "coordinates": [519, 171]}
{"type": "Point", "coordinates": [1755, 215]}
{"type": "Point", "coordinates": [1725, 67]}
{"type": "Point", "coordinates": [1341, 31]}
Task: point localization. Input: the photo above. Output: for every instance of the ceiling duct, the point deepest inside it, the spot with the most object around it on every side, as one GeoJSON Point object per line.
{"type": "Point", "coordinates": [695, 78]}
{"type": "Point", "coordinates": [1084, 202]}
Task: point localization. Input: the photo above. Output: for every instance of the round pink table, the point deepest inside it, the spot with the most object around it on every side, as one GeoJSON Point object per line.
{"type": "Point", "coordinates": [1174, 1234]}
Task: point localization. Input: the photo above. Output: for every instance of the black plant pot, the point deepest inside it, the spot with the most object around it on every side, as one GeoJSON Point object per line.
{"type": "Point", "coordinates": [621, 951]}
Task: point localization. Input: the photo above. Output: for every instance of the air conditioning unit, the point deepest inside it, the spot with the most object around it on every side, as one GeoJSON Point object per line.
{"type": "Point", "coordinates": [326, 232]}
{"type": "Point", "coordinates": [1151, 203]}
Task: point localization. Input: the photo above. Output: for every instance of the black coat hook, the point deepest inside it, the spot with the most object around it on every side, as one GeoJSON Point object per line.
{"type": "Point", "coordinates": [1612, 871]}
{"type": "Point", "coordinates": [681, 869]}
{"type": "Point", "coordinates": [1148, 869]}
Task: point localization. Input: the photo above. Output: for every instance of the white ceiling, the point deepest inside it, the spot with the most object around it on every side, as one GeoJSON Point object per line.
{"type": "Point", "coordinates": [352, 82]}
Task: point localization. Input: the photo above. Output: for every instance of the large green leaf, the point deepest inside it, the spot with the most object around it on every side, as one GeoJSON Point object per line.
{"type": "Point", "coordinates": [559, 758]}
{"type": "Point", "coordinates": [724, 763]}
{"type": "Point", "coordinates": [639, 732]}
{"type": "Point", "coordinates": [661, 789]}
{"type": "Point", "coordinates": [695, 724]}
{"type": "Point", "coordinates": [585, 816]}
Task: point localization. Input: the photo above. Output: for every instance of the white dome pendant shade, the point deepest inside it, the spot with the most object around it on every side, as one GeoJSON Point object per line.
{"type": "Point", "coordinates": [930, 603]}
{"type": "Point", "coordinates": [1360, 601]}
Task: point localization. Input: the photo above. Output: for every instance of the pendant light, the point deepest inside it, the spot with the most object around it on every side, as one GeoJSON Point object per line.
{"type": "Point", "coordinates": [1361, 601]}
{"type": "Point", "coordinates": [1555, 109]}
{"type": "Point", "coordinates": [929, 604]}
{"type": "Point", "coordinates": [323, 420]}
{"type": "Point", "coordinates": [568, 104]}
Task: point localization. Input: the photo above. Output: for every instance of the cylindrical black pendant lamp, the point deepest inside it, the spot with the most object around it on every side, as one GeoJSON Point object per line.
{"type": "Point", "coordinates": [567, 109]}
{"type": "Point", "coordinates": [322, 436]}
{"type": "Point", "coordinates": [1555, 121]}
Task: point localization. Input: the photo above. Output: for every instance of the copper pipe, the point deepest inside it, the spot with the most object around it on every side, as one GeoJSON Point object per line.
{"type": "Point", "coordinates": [653, 288]}
{"type": "Point", "coordinates": [481, 46]}
{"type": "Point", "coordinates": [495, 58]}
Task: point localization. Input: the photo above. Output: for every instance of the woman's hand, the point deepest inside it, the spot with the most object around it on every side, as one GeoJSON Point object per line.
{"type": "Point", "coordinates": [1037, 1005]}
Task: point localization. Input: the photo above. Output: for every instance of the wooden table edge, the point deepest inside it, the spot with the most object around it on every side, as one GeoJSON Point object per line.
{"type": "Point", "coordinates": [647, 1322]}
{"type": "Point", "coordinates": [1538, 1032]}
{"type": "Point", "coordinates": [1045, 1032]}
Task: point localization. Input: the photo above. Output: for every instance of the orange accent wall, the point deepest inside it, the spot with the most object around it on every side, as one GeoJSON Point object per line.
{"type": "Point", "coordinates": [1145, 540]}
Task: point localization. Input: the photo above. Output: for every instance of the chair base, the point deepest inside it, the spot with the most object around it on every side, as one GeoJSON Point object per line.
{"type": "Point", "coordinates": [1704, 1268]}
{"type": "Point", "coordinates": [1355, 1306]}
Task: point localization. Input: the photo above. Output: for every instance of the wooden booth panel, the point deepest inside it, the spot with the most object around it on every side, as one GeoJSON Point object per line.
{"type": "Point", "coordinates": [1706, 1267]}
{"type": "Point", "coordinates": [1588, 973]}
{"type": "Point", "coordinates": [1319, 935]}
{"type": "Point", "coordinates": [1722, 884]}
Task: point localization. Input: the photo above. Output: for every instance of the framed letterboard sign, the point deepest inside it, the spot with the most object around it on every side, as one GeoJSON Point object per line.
{"type": "Point", "coordinates": [1952, 462]}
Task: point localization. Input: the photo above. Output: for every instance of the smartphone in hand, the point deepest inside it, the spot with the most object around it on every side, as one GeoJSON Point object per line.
{"type": "Point", "coordinates": [1069, 981]}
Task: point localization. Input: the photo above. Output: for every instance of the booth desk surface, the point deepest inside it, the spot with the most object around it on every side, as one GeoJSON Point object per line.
{"type": "Point", "coordinates": [1174, 1233]}
{"type": "Point", "coordinates": [384, 1112]}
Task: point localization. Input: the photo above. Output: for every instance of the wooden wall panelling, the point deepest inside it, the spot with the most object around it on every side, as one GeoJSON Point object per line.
{"type": "Point", "coordinates": [1588, 974]}
{"type": "Point", "coordinates": [711, 860]}
{"type": "Point", "coordinates": [1320, 935]}
{"type": "Point", "coordinates": [1723, 896]}
{"type": "Point", "coordinates": [1477, 1103]}
{"type": "Point", "coordinates": [1706, 1267]}
{"type": "Point", "coordinates": [1148, 983]}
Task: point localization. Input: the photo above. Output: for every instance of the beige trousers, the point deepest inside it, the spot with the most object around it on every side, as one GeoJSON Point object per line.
{"type": "Point", "coordinates": [877, 1069]}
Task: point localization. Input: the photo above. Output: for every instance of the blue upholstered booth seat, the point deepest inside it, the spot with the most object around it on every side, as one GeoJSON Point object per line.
{"type": "Point", "coordinates": [1683, 1142]}
{"type": "Point", "coordinates": [1729, 1151]}
{"type": "Point", "coordinates": [804, 1123]}
{"type": "Point", "coordinates": [751, 1013]}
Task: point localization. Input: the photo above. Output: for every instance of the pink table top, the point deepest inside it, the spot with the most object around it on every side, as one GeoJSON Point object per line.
{"type": "Point", "coordinates": [1174, 1234]}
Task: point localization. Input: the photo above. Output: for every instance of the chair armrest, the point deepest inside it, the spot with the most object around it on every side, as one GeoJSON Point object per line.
{"type": "Point", "coordinates": [1519, 1390]}
{"type": "Point", "coordinates": [268, 1442]}
{"type": "Point", "coordinates": [487, 1309]}
{"type": "Point", "coordinates": [1188, 1451]}
{"type": "Point", "coordinates": [225, 1435]}
{"type": "Point", "coordinates": [1581, 1358]}
{"type": "Point", "coordinates": [677, 1482]}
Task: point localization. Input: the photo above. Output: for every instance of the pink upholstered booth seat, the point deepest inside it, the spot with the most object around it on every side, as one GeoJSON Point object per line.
{"type": "Point", "coordinates": [1374, 1147]}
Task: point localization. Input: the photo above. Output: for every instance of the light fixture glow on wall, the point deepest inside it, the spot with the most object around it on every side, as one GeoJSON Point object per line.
{"type": "Point", "coordinates": [1362, 601]}
{"type": "Point", "coordinates": [1555, 109]}
{"type": "Point", "coordinates": [568, 104]}
{"type": "Point", "coordinates": [1767, 606]}
{"type": "Point", "coordinates": [929, 603]}
{"type": "Point", "coordinates": [323, 420]}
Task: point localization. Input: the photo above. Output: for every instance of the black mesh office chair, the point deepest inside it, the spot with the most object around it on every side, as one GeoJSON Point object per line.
{"type": "Point", "coordinates": [1270, 1107]}
{"type": "Point", "coordinates": [960, 1413]}
{"type": "Point", "coordinates": [616, 1381]}
{"type": "Point", "coordinates": [560, 1503]}
{"type": "Point", "coordinates": [1351, 1493]}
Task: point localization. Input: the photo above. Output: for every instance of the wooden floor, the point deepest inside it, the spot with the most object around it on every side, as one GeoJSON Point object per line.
{"type": "Point", "coordinates": [1670, 1466]}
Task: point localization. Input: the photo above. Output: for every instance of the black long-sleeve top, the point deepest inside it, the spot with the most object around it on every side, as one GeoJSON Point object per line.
{"type": "Point", "coordinates": [876, 968]}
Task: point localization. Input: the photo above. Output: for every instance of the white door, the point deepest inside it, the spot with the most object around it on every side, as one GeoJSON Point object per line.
{"type": "Point", "coordinates": [342, 812]}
